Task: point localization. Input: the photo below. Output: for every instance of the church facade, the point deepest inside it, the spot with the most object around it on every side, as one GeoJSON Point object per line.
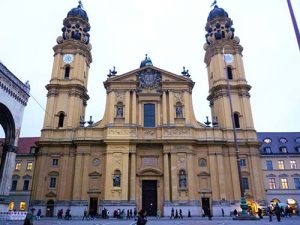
{"type": "Point", "coordinates": [148, 151]}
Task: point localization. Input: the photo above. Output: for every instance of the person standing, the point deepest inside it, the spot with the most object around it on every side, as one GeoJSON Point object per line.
{"type": "Point", "coordinates": [85, 216]}
{"type": "Point", "coordinates": [158, 214]}
{"type": "Point", "coordinates": [222, 212]}
{"type": "Point", "coordinates": [277, 212]}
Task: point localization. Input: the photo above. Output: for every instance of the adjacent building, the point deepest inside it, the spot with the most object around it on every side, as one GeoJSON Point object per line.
{"type": "Point", "coordinates": [280, 154]}
{"type": "Point", "coordinates": [149, 151]}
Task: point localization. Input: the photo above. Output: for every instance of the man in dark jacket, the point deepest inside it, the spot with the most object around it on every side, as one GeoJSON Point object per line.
{"type": "Point", "coordinates": [142, 219]}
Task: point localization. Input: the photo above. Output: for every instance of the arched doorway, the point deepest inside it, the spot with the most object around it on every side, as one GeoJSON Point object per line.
{"type": "Point", "coordinates": [50, 208]}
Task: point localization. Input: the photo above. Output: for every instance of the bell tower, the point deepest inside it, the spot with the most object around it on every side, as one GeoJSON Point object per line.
{"type": "Point", "coordinates": [226, 78]}
{"type": "Point", "coordinates": [67, 90]}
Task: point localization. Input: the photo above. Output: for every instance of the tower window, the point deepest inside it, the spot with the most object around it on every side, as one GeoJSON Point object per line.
{"type": "Point", "coordinates": [149, 115]}
{"type": "Point", "coordinates": [229, 73]}
{"type": "Point", "coordinates": [67, 72]}
{"type": "Point", "coordinates": [61, 119]}
{"type": "Point", "coordinates": [236, 120]}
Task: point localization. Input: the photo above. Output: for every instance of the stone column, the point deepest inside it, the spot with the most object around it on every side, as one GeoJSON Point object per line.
{"type": "Point", "coordinates": [166, 178]}
{"type": "Point", "coordinates": [164, 108]}
{"type": "Point", "coordinates": [132, 176]}
{"type": "Point", "coordinates": [134, 108]}
{"type": "Point", "coordinates": [127, 107]}
{"type": "Point", "coordinates": [191, 176]}
{"type": "Point", "coordinates": [6, 168]}
{"type": "Point", "coordinates": [77, 185]}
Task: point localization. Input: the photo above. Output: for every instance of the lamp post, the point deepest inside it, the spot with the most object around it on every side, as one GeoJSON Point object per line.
{"type": "Point", "coordinates": [228, 58]}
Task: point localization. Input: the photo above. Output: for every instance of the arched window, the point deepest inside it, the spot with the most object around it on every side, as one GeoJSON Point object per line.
{"type": "Point", "coordinates": [117, 178]}
{"type": "Point", "coordinates": [236, 120]}
{"type": "Point", "coordinates": [67, 72]}
{"type": "Point", "coordinates": [182, 179]}
{"type": "Point", "coordinates": [229, 73]}
{"type": "Point", "coordinates": [179, 110]}
{"type": "Point", "coordinates": [119, 110]}
{"type": "Point", "coordinates": [61, 119]}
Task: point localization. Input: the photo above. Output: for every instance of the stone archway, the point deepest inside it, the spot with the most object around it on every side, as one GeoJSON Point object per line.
{"type": "Point", "coordinates": [8, 150]}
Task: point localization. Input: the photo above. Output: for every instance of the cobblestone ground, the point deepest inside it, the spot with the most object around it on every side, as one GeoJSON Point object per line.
{"type": "Point", "coordinates": [164, 221]}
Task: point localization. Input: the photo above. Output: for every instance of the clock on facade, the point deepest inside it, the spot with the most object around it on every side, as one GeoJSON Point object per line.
{"type": "Point", "coordinates": [68, 58]}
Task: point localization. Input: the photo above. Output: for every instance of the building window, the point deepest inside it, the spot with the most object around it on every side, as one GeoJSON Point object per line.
{"type": "Point", "coordinates": [229, 73]}
{"type": "Point", "coordinates": [267, 140]}
{"type": "Point", "coordinates": [267, 150]}
{"type": "Point", "coordinates": [52, 182]}
{"type": "Point", "coordinates": [29, 166]}
{"type": "Point", "coordinates": [119, 110]}
{"type": "Point", "coordinates": [117, 179]}
{"type": "Point", "coordinates": [284, 183]}
{"type": "Point", "coordinates": [182, 179]}
{"type": "Point", "coordinates": [61, 119]}
{"type": "Point", "coordinates": [281, 165]}
{"type": "Point", "coordinates": [149, 115]}
{"type": "Point", "coordinates": [67, 72]}
{"type": "Point", "coordinates": [242, 162]}
{"type": "Point", "coordinates": [297, 182]}
{"type": "Point", "coordinates": [269, 165]}
{"type": "Point", "coordinates": [179, 111]}
{"type": "Point", "coordinates": [18, 166]}
{"type": "Point", "coordinates": [283, 149]}
{"type": "Point", "coordinates": [14, 184]}
{"type": "Point", "coordinates": [26, 185]}
{"type": "Point", "coordinates": [22, 206]}
{"type": "Point", "coordinates": [293, 164]}
{"type": "Point", "coordinates": [54, 162]}
{"type": "Point", "coordinates": [245, 183]}
{"type": "Point", "coordinates": [11, 206]}
{"type": "Point", "coordinates": [236, 120]}
{"type": "Point", "coordinates": [202, 162]}
{"type": "Point", "coordinates": [272, 184]}
{"type": "Point", "coordinates": [297, 149]}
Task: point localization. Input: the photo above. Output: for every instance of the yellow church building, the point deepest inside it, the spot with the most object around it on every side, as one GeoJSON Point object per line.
{"type": "Point", "coordinates": [148, 151]}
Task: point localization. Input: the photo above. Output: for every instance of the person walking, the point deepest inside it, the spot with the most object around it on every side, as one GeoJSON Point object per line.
{"type": "Point", "coordinates": [277, 212]}
{"type": "Point", "coordinates": [85, 216]}
{"type": "Point", "coordinates": [172, 214]}
{"type": "Point", "coordinates": [38, 214]}
{"type": "Point", "coordinates": [142, 219]}
{"type": "Point", "coordinates": [29, 218]}
{"type": "Point", "coordinates": [222, 212]}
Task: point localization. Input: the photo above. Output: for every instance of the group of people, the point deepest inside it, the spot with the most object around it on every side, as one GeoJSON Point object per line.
{"type": "Point", "coordinates": [279, 212]}
{"type": "Point", "coordinates": [67, 216]}
{"type": "Point", "coordinates": [175, 214]}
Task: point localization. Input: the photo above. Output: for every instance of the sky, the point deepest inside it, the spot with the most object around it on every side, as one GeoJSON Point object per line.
{"type": "Point", "coordinates": [172, 33]}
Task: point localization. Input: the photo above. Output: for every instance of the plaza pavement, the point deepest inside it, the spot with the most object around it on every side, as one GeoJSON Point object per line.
{"type": "Point", "coordinates": [163, 221]}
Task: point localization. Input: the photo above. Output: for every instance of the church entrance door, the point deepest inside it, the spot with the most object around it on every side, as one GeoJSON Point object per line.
{"type": "Point", "coordinates": [149, 196]}
{"type": "Point", "coordinates": [93, 206]}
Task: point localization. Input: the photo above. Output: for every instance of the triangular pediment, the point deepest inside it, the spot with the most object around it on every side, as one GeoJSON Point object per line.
{"type": "Point", "coordinates": [51, 194]}
{"type": "Point", "coordinates": [133, 77]}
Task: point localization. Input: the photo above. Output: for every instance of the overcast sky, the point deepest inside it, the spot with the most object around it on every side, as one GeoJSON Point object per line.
{"type": "Point", "coordinates": [172, 33]}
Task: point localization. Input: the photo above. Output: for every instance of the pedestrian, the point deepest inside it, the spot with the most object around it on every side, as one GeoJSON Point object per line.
{"type": "Point", "coordinates": [235, 213]}
{"type": "Point", "coordinates": [130, 213]}
{"type": "Point", "coordinates": [158, 214]}
{"type": "Point", "coordinates": [180, 214]}
{"type": "Point", "coordinates": [222, 212]}
{"type": "Point", "coordinates": [85, 216]}
{"type": "Point", "coordinates": [176, 214]}
{"type": "Point", "coordinates": [209, 213]}
{"type": "Point", "coordinates": [172, 214]}
{"type": "Point", "coordinates": [135, 213]}
{"type": "Point", "coordinates": [277, 212]}
{"type": "Point", "coordinates": [189, 214]}
{"type": "Point", "coordinates": [38, 215]}
{"type": "Point", "coordinates": [142, 219]}
{"type": "Point", "coordinates": [202, 212]}
{"type": "Point", "coordinates": [259, 213]}
{"type": "Point", "coordinates": [270, 213]}
{"type": "Point", "coordinates": [29, 218]}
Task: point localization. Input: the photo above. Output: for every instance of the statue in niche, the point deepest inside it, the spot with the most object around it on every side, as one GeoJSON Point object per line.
{"type": "Point", "coordinates": [182, 180]}
{"type": "Point", "coordinates": [117, 180]}
{"type": "Point", "coordinates": [119, 113]}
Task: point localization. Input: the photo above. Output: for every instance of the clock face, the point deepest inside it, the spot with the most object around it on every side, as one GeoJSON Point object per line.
{"type": "Point", "coordinates": [228, 58]}
{"type": "Point", "coordinates": [68, 58]}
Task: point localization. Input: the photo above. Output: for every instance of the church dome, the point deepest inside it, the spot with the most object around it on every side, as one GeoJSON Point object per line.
{"type": "Point", "coordinates": [78, 12]}
{"type": "Point", "coordinates": [217, 12]}
{"type": "Point", "coordinates": [146, 62]}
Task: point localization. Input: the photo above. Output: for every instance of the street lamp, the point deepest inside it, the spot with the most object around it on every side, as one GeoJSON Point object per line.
{"type": "Point", "coordinates": [228, 59]}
